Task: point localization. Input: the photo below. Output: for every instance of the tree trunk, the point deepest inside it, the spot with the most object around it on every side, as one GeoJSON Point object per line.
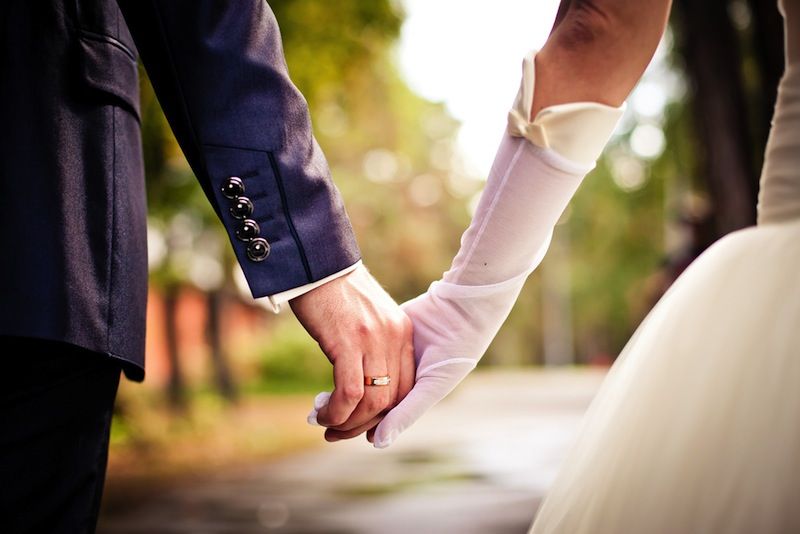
{"type": "Point", "coordinates": [768, 47]}
{"type": "Point", "coordinates": [222, 373]}
{"type": "Point", "coordinates": [176, 391]}
{"type": "Point", "coordinates": [557, 332]}
{"type": "Point", "coordinates": [710, 50]}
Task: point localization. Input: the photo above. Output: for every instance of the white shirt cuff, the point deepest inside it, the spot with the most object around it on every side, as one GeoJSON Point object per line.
{"type": "Point", "coordinates": [277, 300]}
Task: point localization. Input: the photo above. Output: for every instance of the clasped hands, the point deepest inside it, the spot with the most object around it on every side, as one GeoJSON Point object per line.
{"type": "Point", "coordinates": [363, 333]}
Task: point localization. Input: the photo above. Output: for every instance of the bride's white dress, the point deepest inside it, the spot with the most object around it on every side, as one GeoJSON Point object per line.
{"type": "Point", "coordinates": [697, 426]}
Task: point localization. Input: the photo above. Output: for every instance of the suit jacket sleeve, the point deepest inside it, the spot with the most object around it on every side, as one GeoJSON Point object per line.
{"type": "Point", "coordinates": [220, 75]}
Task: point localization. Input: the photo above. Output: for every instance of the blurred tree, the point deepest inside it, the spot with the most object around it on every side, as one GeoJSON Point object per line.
{"type": "Point", "coordinates": [176, 388]}
{"type": "Point", "coordinates": [393, 156]}
{"type": "Point", "coordinates": [732, 51]}
{"type": "Point", "coordinates": [390, 152]}
{"type": "Point", "coordinates": [222, 373]}
{"type": "Point", "coordinates": [191, 252]}
{"type": "Point", "coordinates": [765, 30]}
{"type": "Point", "coordinates": [713, 58]}
{"type": "Point", "coordinates": [616, 236]}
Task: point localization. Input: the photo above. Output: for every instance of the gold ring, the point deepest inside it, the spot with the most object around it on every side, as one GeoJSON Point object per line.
{"type": "Point", "coordinates": [377, 380]}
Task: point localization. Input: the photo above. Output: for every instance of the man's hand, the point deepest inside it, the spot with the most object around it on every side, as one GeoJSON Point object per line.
{"type": "Point", "coordinates": [363, 332]}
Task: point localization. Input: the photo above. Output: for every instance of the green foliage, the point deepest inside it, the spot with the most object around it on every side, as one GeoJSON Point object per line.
{"type": "Point", "coordinates": [391, 155]}
{"type": "Point", "coordinates": [329, 46]}
{"type": "Point", "coordinates": [291, 361]}
{"type": "Point", "coordinates": [616, 244]}
{"type": "Point", "coordinates": [339, 55]}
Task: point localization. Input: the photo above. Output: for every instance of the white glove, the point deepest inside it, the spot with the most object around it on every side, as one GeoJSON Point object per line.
{"type": "Point", "coordinates": [537, 169]}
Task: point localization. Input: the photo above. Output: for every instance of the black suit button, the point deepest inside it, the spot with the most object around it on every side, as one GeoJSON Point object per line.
{"type": "Point", "coordinates": [242, 208]}
{"type": "Point", "coordinates": [248, 230]}
{"type": "Point", "coordinates": [258, 249]}
{"type": "Point", "coordinates": [233, 187]}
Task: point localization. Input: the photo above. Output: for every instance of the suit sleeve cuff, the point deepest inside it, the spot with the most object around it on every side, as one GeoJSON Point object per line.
{"type": "Point", "coordinates": [276, 301]}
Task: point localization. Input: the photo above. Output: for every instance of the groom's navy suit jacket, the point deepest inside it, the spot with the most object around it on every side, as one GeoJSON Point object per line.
{"type": "Point", "coordinates": [73, 247]}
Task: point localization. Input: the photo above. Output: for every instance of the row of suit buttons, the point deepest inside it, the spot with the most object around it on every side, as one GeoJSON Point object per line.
{"type": "Point", "coordinates": [241, 209]}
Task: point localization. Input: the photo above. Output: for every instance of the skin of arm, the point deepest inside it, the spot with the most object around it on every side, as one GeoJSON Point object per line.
{"type": "Point", "coordinates": [597, 51]}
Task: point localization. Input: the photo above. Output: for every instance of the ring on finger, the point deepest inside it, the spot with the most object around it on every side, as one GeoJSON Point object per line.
{"type": "Point", "coordinates": [377, 380]}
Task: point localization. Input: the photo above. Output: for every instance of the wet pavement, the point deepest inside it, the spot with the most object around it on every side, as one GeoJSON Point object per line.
{"type": "Point", "coordinates": [480, 462]}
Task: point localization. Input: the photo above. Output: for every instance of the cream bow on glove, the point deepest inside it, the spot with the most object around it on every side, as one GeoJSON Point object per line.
{"type": "Point", "coordinates": [537, 169]}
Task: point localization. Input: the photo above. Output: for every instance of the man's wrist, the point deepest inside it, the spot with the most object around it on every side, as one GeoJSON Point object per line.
{"type": "Point", "coordinates": [276, 301]}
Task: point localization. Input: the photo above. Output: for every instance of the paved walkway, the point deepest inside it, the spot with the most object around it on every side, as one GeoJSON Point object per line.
{"type": "Point", "coordinates": [478, 463]}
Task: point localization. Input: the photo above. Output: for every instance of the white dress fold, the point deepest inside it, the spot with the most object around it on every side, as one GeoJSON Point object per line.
{"type": "Point", "coordinates": [696, 429]}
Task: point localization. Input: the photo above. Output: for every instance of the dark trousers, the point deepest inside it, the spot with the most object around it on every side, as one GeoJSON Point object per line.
{"type": "Point", "coordinates": [56, 402]}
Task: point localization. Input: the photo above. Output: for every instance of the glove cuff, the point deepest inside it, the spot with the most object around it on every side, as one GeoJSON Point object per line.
{"type": "Point", "coordinates": [577, 131]}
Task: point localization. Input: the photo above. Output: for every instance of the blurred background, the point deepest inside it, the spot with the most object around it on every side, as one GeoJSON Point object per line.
{"type": "Point", "coordinates": [408, 100]}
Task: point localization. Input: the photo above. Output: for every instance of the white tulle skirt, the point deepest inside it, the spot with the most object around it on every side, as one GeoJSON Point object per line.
{"type": "Point", "coordinates": [697, 426]}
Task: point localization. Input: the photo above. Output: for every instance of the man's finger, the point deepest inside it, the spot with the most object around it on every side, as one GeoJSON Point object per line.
{"type": "Point", "coordinates": [408, 371]}
{"type": "Point", "coordinates": [336, 435]}
{"type": "Point", "coordinates": [376, 400]}
{"type": "Point", "coordinates": [348, 380]}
